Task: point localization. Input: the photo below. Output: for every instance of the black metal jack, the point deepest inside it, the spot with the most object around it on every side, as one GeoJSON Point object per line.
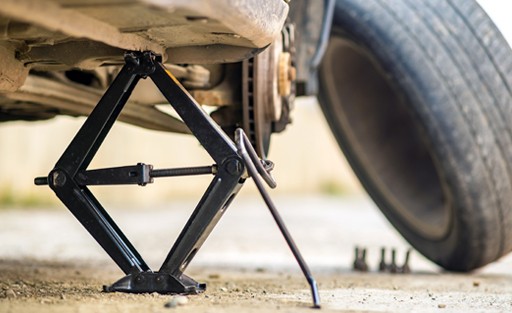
{"type": "Point", "coordinates": [233, 164]}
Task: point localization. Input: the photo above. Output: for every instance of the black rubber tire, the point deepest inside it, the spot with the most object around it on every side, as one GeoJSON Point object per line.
{"type": "Point", "coordinates": [418, 95]}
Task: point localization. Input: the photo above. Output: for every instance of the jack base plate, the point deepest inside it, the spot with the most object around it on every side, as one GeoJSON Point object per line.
{"type": "Point", "coordinates": [163, 283]}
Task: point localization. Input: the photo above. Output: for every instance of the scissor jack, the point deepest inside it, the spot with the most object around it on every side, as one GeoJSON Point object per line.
{"type": "Point", "coordinates": [234, 163]}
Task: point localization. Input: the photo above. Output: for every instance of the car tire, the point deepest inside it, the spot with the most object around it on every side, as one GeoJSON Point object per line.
{"type": "Point", "coordinates": [418, 96]}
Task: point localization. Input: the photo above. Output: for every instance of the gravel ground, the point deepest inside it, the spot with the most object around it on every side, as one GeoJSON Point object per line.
{"type": "Point", "coordinates": [48, 263]}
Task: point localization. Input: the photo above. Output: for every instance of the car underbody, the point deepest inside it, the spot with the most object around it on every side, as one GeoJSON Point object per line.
{"type": "Point", "coordinates": [60, 56]}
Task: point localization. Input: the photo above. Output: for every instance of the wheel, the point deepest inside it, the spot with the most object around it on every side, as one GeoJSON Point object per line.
{"type": "Point", "coordinates": [418, 96]}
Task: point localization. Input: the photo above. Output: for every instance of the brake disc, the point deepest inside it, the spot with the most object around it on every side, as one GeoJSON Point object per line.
{"type": "Point", "coordinates": [268, 91]}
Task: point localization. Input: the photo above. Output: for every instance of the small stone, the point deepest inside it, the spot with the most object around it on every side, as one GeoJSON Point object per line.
{"type": "Point", "coordinates": [476, 283]}
{"type": "Point", "coordinates": [10, 294]}
{"type": "Point", "coordinates": [45, 301]}
{"type": "Point", "coordinates": [223, 289]}
{"type": "Point", "coordinates": [181, 300]}
{"type": "Point", "coordinates": [62, 296]}
{"type": "Point", "coordinates": [171, 304]}
{"type": "Point", "coordinates": [441, 306]}
{"type": "Point", "coordinates": [176, 301]}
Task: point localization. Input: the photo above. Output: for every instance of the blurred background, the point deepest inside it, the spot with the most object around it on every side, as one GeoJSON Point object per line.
{"type": "Point", "coordinates": [306, 156]}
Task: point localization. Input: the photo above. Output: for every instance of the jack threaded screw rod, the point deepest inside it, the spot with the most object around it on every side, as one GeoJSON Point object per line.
{"type": "Point", "coordinates": [183, 171]}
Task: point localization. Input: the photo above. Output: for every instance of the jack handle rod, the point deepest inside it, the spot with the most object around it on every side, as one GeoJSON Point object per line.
{"type": "Point", "coordinates": [243, 145]}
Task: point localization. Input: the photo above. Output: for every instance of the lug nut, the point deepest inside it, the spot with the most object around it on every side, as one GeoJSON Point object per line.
{"type": "Point", "coordinates": [360, 260]}
{"type": "Point", "coordinates": [355, 264]}
{"type": "Point", "coordinates": [364, 265]}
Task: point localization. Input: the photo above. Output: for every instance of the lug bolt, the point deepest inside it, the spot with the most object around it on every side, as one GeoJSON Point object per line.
{"type": "Point", "coordinates": [406, 268]}
{"type": "Point", "coordinates": [393, 268]}
{"type": "Point", "coordinates": [355, 264]}
{"type": "Point", "coordinates": [382, 265]}
{"type": "Point", "coordinates": [364, 266]}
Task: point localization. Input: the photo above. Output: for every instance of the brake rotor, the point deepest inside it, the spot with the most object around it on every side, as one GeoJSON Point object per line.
{"type": "Point", "coordinates": [267, 92]}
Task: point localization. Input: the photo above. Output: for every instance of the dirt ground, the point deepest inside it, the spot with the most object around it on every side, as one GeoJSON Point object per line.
{"type": "Point", "coordinates": [31, 286]}
{"type": "Point", "coordinates": [49, 264]}
{"type": "Point", "coordinates": [62, 287]}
